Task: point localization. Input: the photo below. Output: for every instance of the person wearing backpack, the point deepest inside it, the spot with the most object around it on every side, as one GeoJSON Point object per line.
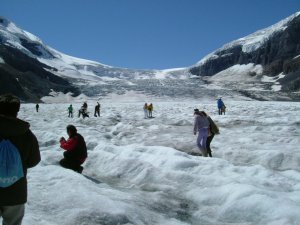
{"type": "Point", "coordinates": [201, 125]}
{"type": "Point", "coordinates": [19, 150]}
{"type": "Point", "coordinates": [212, 131]}
{"type": "Point", "coordinates": [75, 150]}
{"type": "Point", "coordinates": [220, 104]}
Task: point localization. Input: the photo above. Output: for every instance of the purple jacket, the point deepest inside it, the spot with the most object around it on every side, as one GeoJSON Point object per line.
{"type": "Point", "coordinates": [200, 122]}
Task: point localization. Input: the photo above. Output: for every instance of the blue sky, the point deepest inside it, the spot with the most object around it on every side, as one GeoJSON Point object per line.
{"type": "Point", "coordinates": [148, 34]}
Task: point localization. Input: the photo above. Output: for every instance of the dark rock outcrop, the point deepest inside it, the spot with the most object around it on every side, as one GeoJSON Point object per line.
{"type": "Point", "coordinates": [28, 78]}
{"type": "Point", "coordinates": [276, 55]}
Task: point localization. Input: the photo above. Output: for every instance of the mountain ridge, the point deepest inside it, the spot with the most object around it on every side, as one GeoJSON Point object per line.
{"type": "Point", "coordinates": [275, 48]}
{"type": "Point", "coordinates": [267, 60]}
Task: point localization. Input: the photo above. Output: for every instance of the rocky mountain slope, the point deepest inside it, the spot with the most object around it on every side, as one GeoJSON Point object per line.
{"type": "Point", "coordinates": [31, 69]}
{"type": "Point", "coordinates": [264, 65]}
{"type": "Point", "coordinates": [276, 50]}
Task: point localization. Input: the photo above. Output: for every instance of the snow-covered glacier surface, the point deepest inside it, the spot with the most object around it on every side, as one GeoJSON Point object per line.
{"type": "Point", "coordinates": [140, 171]}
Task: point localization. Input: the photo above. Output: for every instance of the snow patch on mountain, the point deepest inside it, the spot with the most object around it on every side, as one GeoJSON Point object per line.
{"type": "Point", "coordinates": [176, 72]}
{"type": "Point", "coordinates": [276, 85]}
{"type": "Point", "coordinates": [59, 97]}
{"type": "Point", "coordinates": [239, 73]}
{"type": "Point", "coordinates": [2, 60]}
{"type": "Point", "coordinates": [297, 57]}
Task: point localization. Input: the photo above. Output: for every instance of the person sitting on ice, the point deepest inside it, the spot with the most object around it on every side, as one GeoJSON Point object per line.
{"type": "Point", "coordinates": [75, 150]}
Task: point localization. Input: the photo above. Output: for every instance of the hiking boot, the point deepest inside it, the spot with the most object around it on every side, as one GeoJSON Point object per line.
{"type": "Point", "coordinates": [80, 169]}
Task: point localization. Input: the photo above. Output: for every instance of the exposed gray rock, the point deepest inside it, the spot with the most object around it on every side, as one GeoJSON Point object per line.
{"type": "Point", "coordinates": [276, 55]}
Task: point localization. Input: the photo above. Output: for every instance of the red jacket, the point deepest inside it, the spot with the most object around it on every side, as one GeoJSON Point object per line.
{"type": "Point", "coordinates": [75, 148]}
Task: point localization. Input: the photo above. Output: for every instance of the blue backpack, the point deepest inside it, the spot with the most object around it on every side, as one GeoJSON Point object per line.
{"type": "Point", "coordinates": [11, 168]}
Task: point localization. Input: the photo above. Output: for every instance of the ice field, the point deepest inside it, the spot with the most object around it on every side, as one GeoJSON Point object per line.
{"type": "Point", "coordinates": [139, 170]}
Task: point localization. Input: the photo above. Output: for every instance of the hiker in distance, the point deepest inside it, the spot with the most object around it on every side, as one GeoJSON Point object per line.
{"type": "Point", "coordinates": [75, 152]}
{"type": "Point", "coordinates": [70, 110]}
{"type": "Point", "coordinates": [97, 110]}
{"type": "Point", "coordinates": [37, 106]}
{"type": "Point", "coordinates": [150, 110]}
{"type": "Point", "coordinates": [83, 111]}
{"type": "Point", "coordinates": [145, 108]}
{"type": "Point", "coordinates": [19, 150]}
{"type": "Point", "coordinates": [212, 131]}
{"type": "Point", "coordinates": [221, 106]}
{"type": "Point", "coordinates": [201, 125]}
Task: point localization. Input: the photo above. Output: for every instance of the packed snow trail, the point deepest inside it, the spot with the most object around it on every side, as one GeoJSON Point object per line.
{"type": "Point", "coordinates": [146, 177]}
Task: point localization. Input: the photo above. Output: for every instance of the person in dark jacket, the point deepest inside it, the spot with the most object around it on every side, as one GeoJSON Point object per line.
{"type": "Point", "coordinates": [37, 106]}
{"type": "Point", "coordinates": [83, 111]}
{"type": "Point", "coordinates": [97, 110]}
{"type": "Point", "coordinates": [212, 131]}
{"type": "Point", "coordinates": [75, 150]}
{"type": "Point", "coordinates": [14, 197]}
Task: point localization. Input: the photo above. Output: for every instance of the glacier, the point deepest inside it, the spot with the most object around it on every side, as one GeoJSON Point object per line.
{"type": "Point", "coordinates": [143, 171]}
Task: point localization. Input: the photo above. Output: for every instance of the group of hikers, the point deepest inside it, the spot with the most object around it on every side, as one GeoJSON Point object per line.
{"type": "Point", "coordinates": [19, 150]}
{"type": "Point", "coordinates": [148, 109]}
{"type": "Point", "coordinates": [83, 110]}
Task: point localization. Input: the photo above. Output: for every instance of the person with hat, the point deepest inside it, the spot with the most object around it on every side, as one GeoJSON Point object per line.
{"type": "Point", "coordinates": [75, 150]}
{"type": "Point", "coordinates": [16, 134]}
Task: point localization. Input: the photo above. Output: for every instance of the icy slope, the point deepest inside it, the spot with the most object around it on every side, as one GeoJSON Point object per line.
{"type": "Point", "coordinates": [147, 178]}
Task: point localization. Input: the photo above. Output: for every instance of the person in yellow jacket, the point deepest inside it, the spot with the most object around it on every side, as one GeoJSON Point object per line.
{"type": "Point", "coordinates": [150, 110]}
